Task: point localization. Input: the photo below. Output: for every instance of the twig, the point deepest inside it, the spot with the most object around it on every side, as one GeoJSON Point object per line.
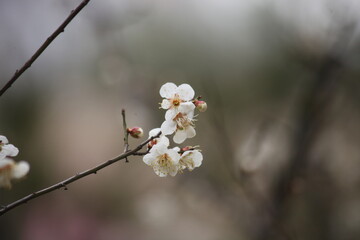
{"type": "Point", "coordinates": [126, 134]}
{"type": "Point", "coordinates": [48, 41]}
{"type": "Point", "coordinates": [64, 183]}
{"type": "Point", "coordinates": [311, 115]}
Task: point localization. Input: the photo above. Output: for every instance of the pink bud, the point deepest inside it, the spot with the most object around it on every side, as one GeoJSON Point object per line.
{"type": "Point", "coordinates": [135, 132]}
{"type": "Point", "coordinates": [187, 148]}
{"type": "Point", "coordinates": [200, 105]}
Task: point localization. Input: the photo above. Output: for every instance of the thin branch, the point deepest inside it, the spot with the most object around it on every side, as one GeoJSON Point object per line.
{"type": "Point", "coordinates": [64, 183]}
{"type": "Point", "coordinates": [126, 133]}
{"type": "Point", "coordinates": [48, 41]}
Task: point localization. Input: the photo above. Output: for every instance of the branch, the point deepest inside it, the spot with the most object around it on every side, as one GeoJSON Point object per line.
{"type": "Point", "coordinates": [126, 134]}
{"type": "Point", "coordinates": [48, 41]}
{"type": "Point", "coordinates": [64, 183]}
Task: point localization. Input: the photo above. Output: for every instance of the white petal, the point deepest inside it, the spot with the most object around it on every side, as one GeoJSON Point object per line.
{"type": "Point", "coordinates": [173, 172]}
{"type": "Point", "coordinates": [174, 155]}
{"type": "Point", "coordinates": [177, 149]}
{"type": "Point", "coordinates": [164, 141]}
{"type": "Point", "coordinates": [197, 158]}
{"type": "Point", "coordinates": [165, 104]}
{"type": "Point", "coordinates": [185, 91]}
{"type": "Point", "coordinates": [190, 114]}
{"type": "Point", "coordinates": [168, 90]}
{"type": "Point", "coordinates": [10, 150]}
{"type": "Point", "coordinates": [186, 107]}
{"type": "Point", "coordinates": [5, 162]}
{"type": "Point", "coordinates": [168, 127]}
{"type": "Point", "coordinates": [190, 132]}
{"type": "Point", "coordinates": [159, 173]}
{"type": "Point", "coordinates": [179, 136]}
{"type": "Point", "coordinates": [170, 114]}
{"type": "Point", "coordinates": [154, 132]}
{"type": "Point", "coordinates": [20, 169]}
{"type": "Point", "coordinates": [159, 149]}
{"type": "Point", "coordinates": [149, 158]}
{"type": "Point", "coordinates": [3, 139]}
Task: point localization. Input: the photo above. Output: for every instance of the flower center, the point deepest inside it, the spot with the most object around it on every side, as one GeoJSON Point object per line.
{"type": "Point", "coordinates": [187, 162]}
{"type": "Point", "coordinates": [176, 100]}
{"type": "Point", "coordinates": [164, 161]}
{"type": "Point", "coordinates": [183, 121]}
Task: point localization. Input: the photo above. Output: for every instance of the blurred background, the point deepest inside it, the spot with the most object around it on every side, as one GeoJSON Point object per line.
{"type": "Point", "coordinates": [280, 138]}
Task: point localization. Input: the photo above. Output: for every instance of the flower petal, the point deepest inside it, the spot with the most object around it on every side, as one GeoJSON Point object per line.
{"type": "Point", "coordinates": [159, 149]}
{"type": "Point", "coordinates": [20, 169]}
{"type": "Point", "coordinates": [6, 162]}
{"type": "Point", "coordinates": [160, 173]}
{"type": "Point", "coordinates": [164, 141]}
{"type": "Point", "coordinates": [9, 150]}
{"type": "Point", "coordinates": [168, 90]}
{"type": "Point", "coordinates": [190, 132]}
{"type": "Point", "coordinates": [174, 155]}
{"type": "Point", "coordinates": [170, 114]}
{"type": "Point", "coordinates": [197, 158]}
{"type": "Point", "coordinates": [3, 139]}
{"type": "Point", "coordinates": [179, 136]}
{"type": "Point", "coordinates": [168, 127]}
{"type": "Point", "coordinates": [165, 104]}
{"type": "Point", "coordinates": [186, 107]}
{"type": "Point", "coordinates": [186, 92]}
{"type": "Point", "coordinates": [154, 132]}
{"type": "Point", "coordinates": [149, 158]}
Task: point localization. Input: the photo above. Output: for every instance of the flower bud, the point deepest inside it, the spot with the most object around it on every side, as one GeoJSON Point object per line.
{"type": "Point", "coordinates": [200, 105]}
{"type": "Point", "coordinates": [187, 148]}
{"type": "Point", "coordinates": [135, 132]}
{"type": "Point", "coordinates": [152, 143]}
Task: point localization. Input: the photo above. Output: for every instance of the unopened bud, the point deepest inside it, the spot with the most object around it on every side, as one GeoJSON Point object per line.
{"type": "Point", "coordinates": [200, 105]}
{"type": "Point", "coordinates": [152, 143]}
{"type": "Point", "coordinates": [187, 148]}
{"type": "Point", "coordinates": [135, 132]}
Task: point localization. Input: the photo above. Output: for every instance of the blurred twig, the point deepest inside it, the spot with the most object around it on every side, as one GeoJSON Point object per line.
{"type": "Point", "coordinates": [311, 115]}
{"type": "Point", "coordinates": [42, 48]}
{"type": "Point", "coordinates": [64, 183]}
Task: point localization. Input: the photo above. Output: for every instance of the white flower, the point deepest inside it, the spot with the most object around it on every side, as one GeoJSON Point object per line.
{"type": "Point", "coordinates": [11, 170]}
{"type": "Point", "coordinates": [163, 160]}
{"type": "Point", "coordinates": [183, 126]}
{"type": "Point", "coordinates": [161, 140]}
{"type": "Point", "coordinates": [177, 99]}
{"type": "Point", "coordinates": [191, 159]}
{"type": "Point", "coordinates": [7, 149]}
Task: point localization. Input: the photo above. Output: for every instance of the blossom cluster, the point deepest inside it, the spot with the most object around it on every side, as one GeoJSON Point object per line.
{"type": "Point", "coordinates": [9, 169]}
{"type": "Point", "coordinates": [179, 120]}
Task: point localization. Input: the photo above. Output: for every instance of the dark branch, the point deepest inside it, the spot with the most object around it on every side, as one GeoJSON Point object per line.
{"type": "Point", "coordinates": [48, 41]}
{"type": "Point", "coordinates": [64, 183]}
{"type": "Point", "coordinates": [126, 133]}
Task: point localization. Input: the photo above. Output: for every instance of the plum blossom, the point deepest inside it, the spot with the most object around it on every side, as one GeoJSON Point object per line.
{"type": "Point", "coordinates": [179, 120]}
{"type": "Point", "coordinates": [191, 159]}
{"type": "Point", "coordinates": [9, 169]}
{"type": "Point", "coordinates": [183, 126]}
{"type": "Point", "coordinates": [177, 99]}
{"type": "Point", "coordinates": [7, 149]}
{"type": "Point", "coordinates": [164, 161]}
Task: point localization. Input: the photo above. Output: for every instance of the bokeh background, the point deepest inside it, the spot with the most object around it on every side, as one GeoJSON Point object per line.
{"type": "Point", "coordinates": [280, 139]}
